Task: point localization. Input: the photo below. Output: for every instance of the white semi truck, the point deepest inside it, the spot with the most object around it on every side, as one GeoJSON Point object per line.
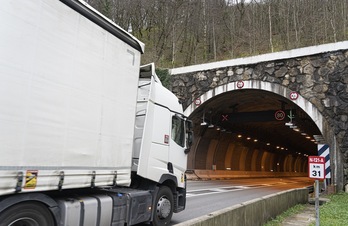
{"type": "Point", "coordinates": [87, 136]}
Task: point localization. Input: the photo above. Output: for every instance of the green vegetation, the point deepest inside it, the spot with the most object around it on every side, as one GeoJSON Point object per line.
{"type": "Point", "coordinates": [280, 218]}
{"type": "Point", "coordinates": [332, 213]}
{"type": "Point", "coordinates": [163, 75]}
{"type": "Point", "coordinates": [335, 212]}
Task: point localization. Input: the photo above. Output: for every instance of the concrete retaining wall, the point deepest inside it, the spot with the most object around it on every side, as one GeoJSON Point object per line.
{"type": "Point", "coordinates": [252, 213]}
{"type": "Point", "coordinates": [229, 174]}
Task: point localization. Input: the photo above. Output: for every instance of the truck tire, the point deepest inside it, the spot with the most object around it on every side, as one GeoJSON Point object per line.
{"type": "Point", "coordinates": [164, 205]}
{"type": "Point", "coordinates": [27, 214]}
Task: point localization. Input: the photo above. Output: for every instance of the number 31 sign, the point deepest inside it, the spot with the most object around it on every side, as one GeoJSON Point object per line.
{"type": "Point", "coordinates": [316, 167]}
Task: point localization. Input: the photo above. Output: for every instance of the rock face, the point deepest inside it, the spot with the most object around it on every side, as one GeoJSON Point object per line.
{"type": "Point", "coordinates": [321, 79]}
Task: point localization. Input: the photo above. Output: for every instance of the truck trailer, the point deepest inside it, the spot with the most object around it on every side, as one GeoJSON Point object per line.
{"type": "Point", "coordinates": [87, 135]}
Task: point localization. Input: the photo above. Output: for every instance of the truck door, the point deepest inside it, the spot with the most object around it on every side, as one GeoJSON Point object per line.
{"type": "Point", "coordinates": [177, 156]}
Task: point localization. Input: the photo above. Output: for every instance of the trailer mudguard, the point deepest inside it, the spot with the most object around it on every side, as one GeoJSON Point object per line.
{"type": "Point", "coordinates": [38, 197]}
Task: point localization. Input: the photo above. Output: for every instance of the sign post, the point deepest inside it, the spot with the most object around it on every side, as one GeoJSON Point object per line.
{"type": "Point", "coordinates": [316, 170]}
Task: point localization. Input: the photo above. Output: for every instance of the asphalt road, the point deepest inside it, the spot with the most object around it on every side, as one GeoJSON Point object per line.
{"type": "Point", "coordinates": [204, 197]}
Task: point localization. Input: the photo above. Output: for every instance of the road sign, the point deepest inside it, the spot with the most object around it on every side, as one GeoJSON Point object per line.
{"type": "Point", "coordinates": [279, 115]}
{"type": "Point", "coordinates": [240, 84]}
{"type": "Point", "coordinates": [293, 95]}
{"type": "Point", "coordinates": [316, 167]}
{"type": "Point", "coordinates": [291, 116]}
{"type": "Point", "coordinates": [224, 118]}
{"type": "Point", "coordinates": [198, 101]}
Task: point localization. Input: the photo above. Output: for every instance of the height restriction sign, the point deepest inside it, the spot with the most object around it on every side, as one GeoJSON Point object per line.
{"type": "Point", "coordinates": [316, 167]}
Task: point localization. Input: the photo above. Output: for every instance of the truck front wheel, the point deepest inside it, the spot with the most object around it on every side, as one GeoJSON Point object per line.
{"type": "Point", "coordinates": [28, 214]}
{"type": "Point", "coordinates": [164, 205]}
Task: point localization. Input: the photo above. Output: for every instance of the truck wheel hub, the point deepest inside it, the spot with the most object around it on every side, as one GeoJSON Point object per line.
{"type": "Point", "coordinates": [163, 207]}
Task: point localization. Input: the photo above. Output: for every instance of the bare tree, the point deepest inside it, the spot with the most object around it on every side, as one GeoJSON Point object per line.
{"type": "Point", "coordinates": [270, 27]}
{"type": "Point", "coordinates": [184, 32]}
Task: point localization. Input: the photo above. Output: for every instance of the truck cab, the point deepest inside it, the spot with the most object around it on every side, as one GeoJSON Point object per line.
{"type": "Point", "coordinates": [162, 136]}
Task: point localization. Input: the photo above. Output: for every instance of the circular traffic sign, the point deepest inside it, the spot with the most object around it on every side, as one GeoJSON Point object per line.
{"type": "Point", "coordinates": [279, 115]}
{"type": "Point", "coordinates": [293, 95]}
{"type": "Point", "coordinates": [240, 84]}
{"type": "Point", "coordinates": [198, 101]}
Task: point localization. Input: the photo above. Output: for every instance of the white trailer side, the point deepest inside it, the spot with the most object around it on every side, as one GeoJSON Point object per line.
{"type": "Point", "coordinates": [66, 111]}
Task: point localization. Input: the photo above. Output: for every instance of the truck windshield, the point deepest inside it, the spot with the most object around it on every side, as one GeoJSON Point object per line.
{"type": "Point", "coordinates": [178, 130]}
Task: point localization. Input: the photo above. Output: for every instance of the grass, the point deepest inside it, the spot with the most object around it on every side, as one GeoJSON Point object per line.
{"type": "Point", "coordinates": [332, 213]}
{"type": "Point", "coordinates": [280, 218]}
{"type": "Point", "coordinates": [335, 212]}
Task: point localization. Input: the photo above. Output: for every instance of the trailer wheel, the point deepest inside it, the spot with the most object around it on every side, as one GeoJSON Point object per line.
{"type": "Point", "coordinates": [26, 214]}
{"type": "Point", "coordinates": [164, 205]}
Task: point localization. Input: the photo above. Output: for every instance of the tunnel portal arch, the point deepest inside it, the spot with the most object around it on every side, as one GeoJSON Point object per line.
{"type": "Point", "coordinates": [222, 153]}
{"type": "Point", "coordinates": [318, 73]}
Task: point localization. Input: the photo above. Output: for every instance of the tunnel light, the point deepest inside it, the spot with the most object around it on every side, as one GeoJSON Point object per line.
{"type": "Point", "coordinates": [304, 134]}
{"type": "Point", "coordinates": [277, 147]}
{"type": "Point", "coordinates": [268, 144]}
{"type": "Point", "coordinates": [204, 123]}
{"type": "Point", "coordinates": [282, 148]}
{"type": "Point", "coordinates": [239, 136]}
{"type": "Point", "coordinates": [296, 129]}
{"type": "Point", "coordinates": [211, 126]}
{"type": "Point", "coordinates": [277, 163]}
{"type": "Point", "coordinates": [289, 124]}
{"type": "Point", "coordinates": [248, 138]}
{"type": "Point", "coordinates": [218, 128]}
{"type": "Point", "coordinates": [308, 137]}
{"type": "Point", "coordinates": [255, 140]}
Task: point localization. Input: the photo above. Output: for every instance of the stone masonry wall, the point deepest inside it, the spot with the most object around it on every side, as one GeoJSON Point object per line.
{"type": "Point", "coordinates": [321, 79]}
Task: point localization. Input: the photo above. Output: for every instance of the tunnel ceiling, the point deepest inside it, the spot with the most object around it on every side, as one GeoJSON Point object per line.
{"type": "Point", "coordinates": [252, 114]}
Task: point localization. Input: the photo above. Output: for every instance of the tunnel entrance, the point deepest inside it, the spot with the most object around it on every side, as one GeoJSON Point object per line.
{"type": "Point", "coordinates": [253, 129]}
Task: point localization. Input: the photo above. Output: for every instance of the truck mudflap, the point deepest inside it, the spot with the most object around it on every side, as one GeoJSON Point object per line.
{"type": "Point", "coordinates": [179, 200]}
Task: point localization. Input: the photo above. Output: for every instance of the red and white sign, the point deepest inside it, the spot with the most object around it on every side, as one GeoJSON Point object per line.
{"type": "Point", "coordinates": [316, 167]}
{"type": "Point", "coordinates": [198, 101]}
{"type": "Point", "coordinates": [240, 84]}
{"type": "Point", "coordinates": [293, 95]}
{"type": "Point", "coordinates": [279, 115]}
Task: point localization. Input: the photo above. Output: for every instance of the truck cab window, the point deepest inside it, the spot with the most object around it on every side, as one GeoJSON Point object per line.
{"type": "Point", "coordinates": [178, 130]}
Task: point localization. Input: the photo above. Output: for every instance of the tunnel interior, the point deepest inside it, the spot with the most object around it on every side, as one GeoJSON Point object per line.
{"type": "Point", "coordinates": [252, 130]}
